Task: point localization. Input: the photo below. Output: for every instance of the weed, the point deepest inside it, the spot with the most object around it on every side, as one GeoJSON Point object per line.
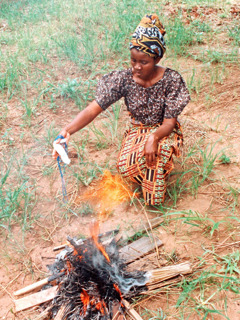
{"type": "Point", "coordinates": [16, 200]}
{"type": "Point", "coordinates": [198, 170]}
{"type": "Point", "coordinates": [30, 109]}
{"type": "Point", "coordinates": [76, 89]}
{"type": "Point", "coordinates": [229, 263]}
{"type": "Point", "coordinates": [7, 138]}
{"type": "Point", "coordinates": [85, 209]}
{"type": "Point", "coordinates": [194, 83]}
{"type": "Point", "coordinates": [234, 34]}
{"type": "Point", "coordinates": [202, 303]}
{"type": "Point", "coordinates": [86, 172]}
{"type": "Point", "coordinates": [52, 133]}
{"type": "Point", "coordinates": [195, 219]}
{"type": "Point", "coordinates": [180, 37]}
{"type": "Point", "coordinates": [215, 56]}
{"type": "Point", "coordinates": [47, 170]}
{"type": "Point", "coordinates": [201, 26]}
{"type": "Point", "coordinates": [224, 159]}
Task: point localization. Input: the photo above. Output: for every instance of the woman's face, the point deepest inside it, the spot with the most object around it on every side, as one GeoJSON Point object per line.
{"type": "Point", "coordinates": [143, 65]}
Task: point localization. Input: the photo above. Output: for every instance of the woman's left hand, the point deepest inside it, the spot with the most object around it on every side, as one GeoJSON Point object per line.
{"type": "Point", "coordinates": [150, 150]}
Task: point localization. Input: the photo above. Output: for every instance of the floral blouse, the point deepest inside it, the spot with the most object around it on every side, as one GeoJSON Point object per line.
{"type": "Point", "coordinates": [165, 99]}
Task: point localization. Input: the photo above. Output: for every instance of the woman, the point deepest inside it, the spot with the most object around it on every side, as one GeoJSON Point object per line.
{"type": "Point", "coordinates": [154, 97]}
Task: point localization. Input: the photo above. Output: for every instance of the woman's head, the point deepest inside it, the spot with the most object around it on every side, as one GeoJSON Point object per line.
{"type": "Point", "coordinates": [148, 37]}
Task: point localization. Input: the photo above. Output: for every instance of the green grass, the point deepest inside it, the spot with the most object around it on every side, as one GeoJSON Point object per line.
{"type": "Point", "coordinates": [197, 165]}
{"type": "Point", "coordinates": [52, 55]}
{"type": "Point", "coordinates": [17, 197]}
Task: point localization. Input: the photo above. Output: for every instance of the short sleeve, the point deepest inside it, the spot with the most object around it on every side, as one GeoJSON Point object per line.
{"type": "Point", "coordinates": [177, 96]}
{"type": "Point", "coordinates": [110, 88]}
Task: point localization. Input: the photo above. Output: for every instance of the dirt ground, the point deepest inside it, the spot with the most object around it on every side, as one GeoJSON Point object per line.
{"type": "Point", "coordinates": [24, 258]}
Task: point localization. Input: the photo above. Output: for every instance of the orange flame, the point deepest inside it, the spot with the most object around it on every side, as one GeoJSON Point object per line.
{"type": "Point", "coordinates": [110, 192]}
{"type": "Point", "coordinates": [94, 230]}
{"type": "Point", "coordinates": [101, 306]}
{"type": "Point", "coordinates": [85, 300]}
{"type": "Point", "coordinates": [118, 290]}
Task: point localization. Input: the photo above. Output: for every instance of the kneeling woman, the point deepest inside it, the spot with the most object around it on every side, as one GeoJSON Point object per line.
{"type": "Point", "coordinates": [154, 97]}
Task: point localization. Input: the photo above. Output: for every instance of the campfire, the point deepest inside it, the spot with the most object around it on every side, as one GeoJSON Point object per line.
{"type": "Point", "coordinates": [95, 281]}
{"type": "Point", "coordinates": [90, 278]}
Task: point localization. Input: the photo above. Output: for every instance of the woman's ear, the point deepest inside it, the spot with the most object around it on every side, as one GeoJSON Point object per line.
{"type": "Point", "coordinates": [157, 59]}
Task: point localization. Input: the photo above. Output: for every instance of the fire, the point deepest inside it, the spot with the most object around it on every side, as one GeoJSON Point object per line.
{"type": "Point", "coordinates": [85, 300]}
{"type": "Point", "coordinates": [118, 290]}
{"type": "Point", "coordinates": [101, 306]}
{"type": "Point", "coordinates": [91, 288]}
{"type": "Point", "coordinates": [94, 230]}
{"type": "Point", "coordinates": [110, 192]}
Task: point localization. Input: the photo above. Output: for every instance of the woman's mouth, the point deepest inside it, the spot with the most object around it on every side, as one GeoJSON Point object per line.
{"type": "Point", "coordinates": [138, 73]}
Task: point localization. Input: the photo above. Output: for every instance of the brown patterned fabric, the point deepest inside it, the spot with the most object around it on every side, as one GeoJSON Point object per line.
{"type": "Point", "coordinates": [132, 164]}
{"type": "Point", "coordinates": [165, 99]}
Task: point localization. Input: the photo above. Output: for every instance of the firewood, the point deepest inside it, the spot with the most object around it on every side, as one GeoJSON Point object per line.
{"type": "Point", "coordinates": [60, 313]}
{"type": "Point", "coordinates": [37, 285]}
{"type": "Point", "coordinates": [103, 236]}
{"type": "Point", "coordinates": [159, 275]}
{"type": "Point", "coordinates": [133, 314]}
{"type": "Point", "coordinates": [129, 253]}
{"type": "Point", "coordinates": [35, 299]}
{"type": "Point", "coordinates": [138, 249]}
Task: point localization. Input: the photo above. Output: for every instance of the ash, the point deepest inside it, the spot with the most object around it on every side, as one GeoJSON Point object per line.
{"type": "Point", "coordinates": [92, 285]}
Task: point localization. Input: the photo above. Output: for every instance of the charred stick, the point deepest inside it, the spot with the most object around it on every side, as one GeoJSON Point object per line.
{"type": "Point", "coordinates": [102, 235]}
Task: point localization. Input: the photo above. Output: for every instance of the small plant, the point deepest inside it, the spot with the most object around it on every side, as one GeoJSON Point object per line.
{"type": "Point", "coordinates": [85, 209]}
{"type": "Point", "coordinates": [16, 200]}
{"type": "Point", "coordinates": [201, 26]}
{"type": "Point", "coordinates": [234, 34]}
{"type": "Point", "coordinates": [230, 263]}
{"type": "Point", "coordinates": [224, 159]}
{"type": "Point", "coordinates": [179, 37]}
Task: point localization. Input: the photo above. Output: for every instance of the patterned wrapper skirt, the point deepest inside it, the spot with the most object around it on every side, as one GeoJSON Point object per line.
{"type": "Point", "coordinates": [132, 163]}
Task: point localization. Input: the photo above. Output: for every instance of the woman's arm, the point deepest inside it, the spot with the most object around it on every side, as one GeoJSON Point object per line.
{"type": "Point", "coordinates": [151, 146]}
{"type": "Point", "coordinates": [82, 119]}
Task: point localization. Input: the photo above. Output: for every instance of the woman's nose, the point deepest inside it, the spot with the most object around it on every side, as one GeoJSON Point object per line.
{"type": "Point", "coordinates": [138, 66]}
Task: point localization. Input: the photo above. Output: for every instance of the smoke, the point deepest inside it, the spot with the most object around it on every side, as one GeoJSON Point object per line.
{"type": "Point", "coordinates": [93, 283]}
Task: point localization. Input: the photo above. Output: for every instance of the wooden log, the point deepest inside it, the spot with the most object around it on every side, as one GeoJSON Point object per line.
{"type": "Point", "coordinates": [131, 311]}
{"type": "Point", "coordinates": [138, 249]}
{"type": "Point", "coordinates": [35, 299]}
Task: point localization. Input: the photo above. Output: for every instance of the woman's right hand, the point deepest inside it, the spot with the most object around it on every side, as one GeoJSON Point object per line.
{"type": "Point", "coordinates": [66, 135]}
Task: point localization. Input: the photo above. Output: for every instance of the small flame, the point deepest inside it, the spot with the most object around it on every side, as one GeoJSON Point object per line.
{"type": "Point", "coordinates": [94, 230]}
{"type": "Point", "coordinates": [101, 306]}
{"type": "Point", "coordinates": [85, 300]}
{"type": "Point", "coordinates": [69, 266]}
{"type": "Point", "coordinates": [118, 290]}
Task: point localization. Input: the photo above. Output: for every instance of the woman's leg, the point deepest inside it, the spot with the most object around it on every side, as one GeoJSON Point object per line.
{"type": "Point", "coordinates": [132, 164]}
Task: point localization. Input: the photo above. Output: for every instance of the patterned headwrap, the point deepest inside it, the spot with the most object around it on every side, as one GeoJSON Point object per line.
{"type": "Point", "coordinates": [148, 36]}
